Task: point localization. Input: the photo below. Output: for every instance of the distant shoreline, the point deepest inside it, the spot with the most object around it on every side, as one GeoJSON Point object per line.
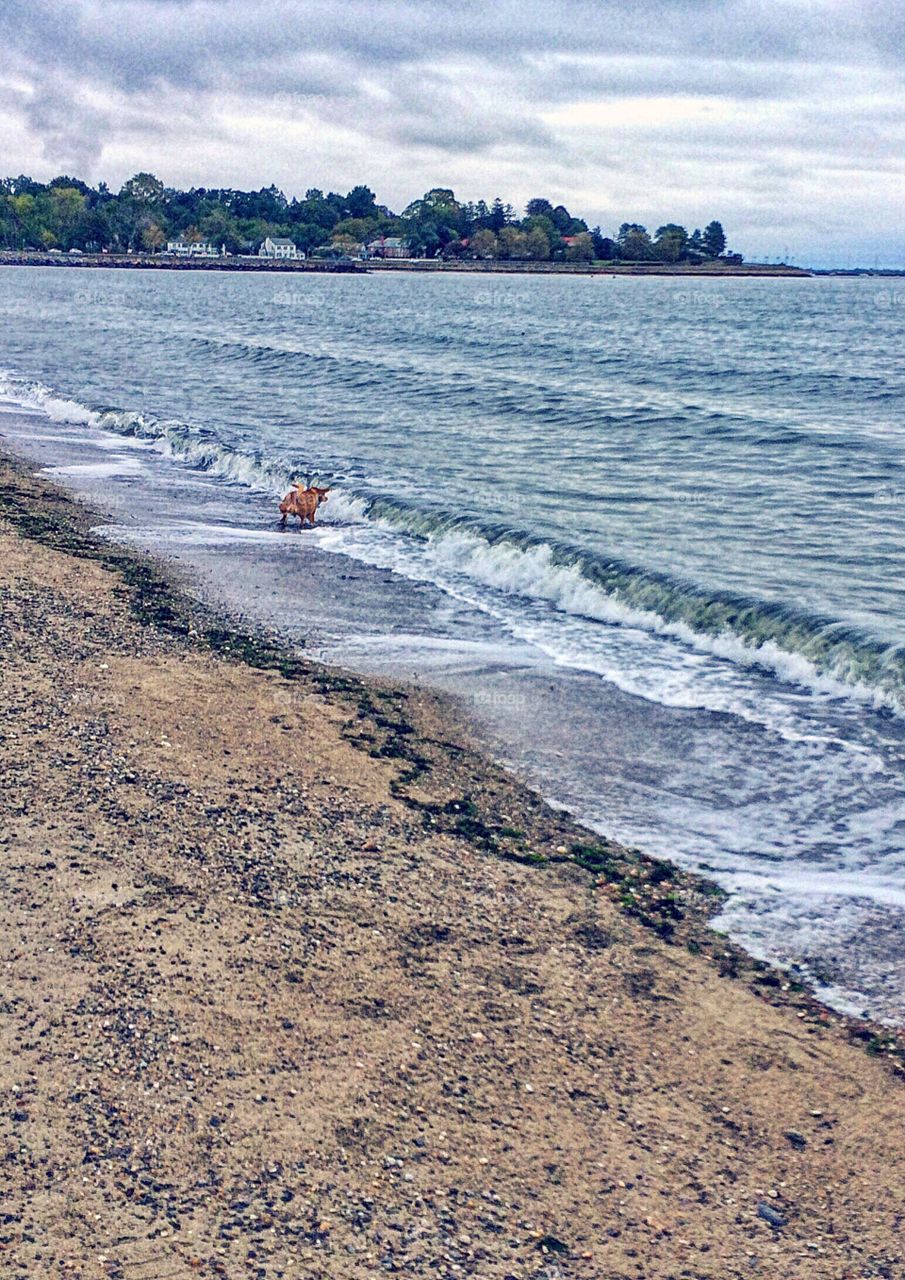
{"type": "Point", "coordinates": [157, 262]}
{"type": "Point", "coordinates": [709, 269]}
{"type": "Point", "coordinates": [160, 263]}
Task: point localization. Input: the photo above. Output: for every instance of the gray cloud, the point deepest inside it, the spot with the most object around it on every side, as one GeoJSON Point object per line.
{"type": "Point", "coordinates": [70, 128]}
{"type": "Point", "coordinates": [755, 106]}
{"type": "Point", "coordinates": [194, 42]}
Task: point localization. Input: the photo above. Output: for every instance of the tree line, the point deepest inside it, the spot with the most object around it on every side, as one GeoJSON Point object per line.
{"type": "Point", "coordinates": [144, 215]}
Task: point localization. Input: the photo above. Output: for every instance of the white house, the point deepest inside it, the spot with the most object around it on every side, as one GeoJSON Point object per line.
{"type": "Point", "coordinates": [279, 247]}
{"type": "Point", "coordinates": [184, 249]}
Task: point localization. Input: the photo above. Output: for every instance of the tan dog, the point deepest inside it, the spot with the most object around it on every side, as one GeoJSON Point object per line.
{"type": "Point", "coordinates": [302, 502]}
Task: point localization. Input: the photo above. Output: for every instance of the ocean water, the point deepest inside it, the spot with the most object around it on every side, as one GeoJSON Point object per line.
{"type": "Point", "coordinates": [652, 529]}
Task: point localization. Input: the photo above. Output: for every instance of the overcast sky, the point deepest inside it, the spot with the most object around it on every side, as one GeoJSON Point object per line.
{"type": "Point", "coordinates": [784, 118]}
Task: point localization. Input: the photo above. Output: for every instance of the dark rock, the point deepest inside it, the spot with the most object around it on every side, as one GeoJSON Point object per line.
{"type": "Point", "coordinates": [771, 1215]}
{"type": "Point", "coordinates": [593, 937]}
{"type": "Point", "coordinates": [551, 1244]}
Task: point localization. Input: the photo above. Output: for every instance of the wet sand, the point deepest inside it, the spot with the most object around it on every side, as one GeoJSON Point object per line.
{"type": "Point", "coordinates": [296, 983]}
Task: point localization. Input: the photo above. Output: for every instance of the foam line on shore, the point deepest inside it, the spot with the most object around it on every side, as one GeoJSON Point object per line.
{"type": "Point", "coordinates": [823, 655]}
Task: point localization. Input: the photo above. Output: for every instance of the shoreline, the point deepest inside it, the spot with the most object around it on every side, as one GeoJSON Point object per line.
{"type": "Point", "coordinates": [408, 799]}
{"type": "Point", "coordinates": [709, 271]}
{"type": "Point", "coordinates": [159, 263]}
{"type": "Point", "coordinates": [165, 600]}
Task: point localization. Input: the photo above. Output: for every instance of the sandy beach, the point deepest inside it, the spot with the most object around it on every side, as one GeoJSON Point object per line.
{"type": "Point", "coordinates": [297, 984]}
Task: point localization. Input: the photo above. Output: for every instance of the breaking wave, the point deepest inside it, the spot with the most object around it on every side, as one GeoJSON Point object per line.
{"type": "Point", "coordinates": [820, 653]}
{"type": "Point", "coordinates": [825, 655]}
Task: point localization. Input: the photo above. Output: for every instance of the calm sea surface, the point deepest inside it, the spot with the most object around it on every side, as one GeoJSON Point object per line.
{"type": "Point", "coordinates": [654, 529]}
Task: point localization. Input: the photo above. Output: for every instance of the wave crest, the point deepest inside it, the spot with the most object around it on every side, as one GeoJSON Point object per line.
{"type": "Point", "coordinates": [824, 654]}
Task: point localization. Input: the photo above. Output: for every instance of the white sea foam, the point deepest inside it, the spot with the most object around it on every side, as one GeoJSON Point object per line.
{"type": "Point", "coordinates": [802, 881]}
{"type": "Point", "coordinates": [195, 533]}
{"type": "Point", "coordinates": [97, 470]}
{"type": "Point", "coordinates": [452, 559]}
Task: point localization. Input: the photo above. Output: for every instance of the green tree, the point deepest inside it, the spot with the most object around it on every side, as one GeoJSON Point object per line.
{"type": "Point", "coordinates": [483, 244]}
{"type": "Point", "coordinates": [671, 242]}
{"type": "Point", "coordinates": [634, 243]}
{"type": "Point", "coordinates": [562, 220]}
{"type": "Point", "coordinates": [153, 237]}
{"type": "Point", "coordinates": [435, 219]}
{"type": "Point", "coordinates": [144, 188]}
{"type": "Point", "coordinates": [546, 225]}
{"type": "Point", "coordinates": [346, 245]}
{"type": "Point", "coordinates": [361, 203]}
{"type": "Point", "coordinates": [421, 237]}
{"type": "Point", "coordinates": [538, 244]}
{"type": "Point", "coordinates": [93, 232]}
{"type": "Point", "coordinates": [25, 211]}
{"type": "Point", "coordinates": [67, 204]}
{"type": "Point", "coordinates": [604, 248]}
{"type": "Point", "coordinates": [316, 208]}
{"type": "Point", "coordinates": [714, 239]}
{"type": "Point", "coordinates": [8, 229]}
{"type": "Point", "coordinates": [67, 212]}
{"type": "Point", "coordinates": [513, 243]}
{"type": "Point", "coordinates": [360, 229]}
{"type": "Point", "coordinates": [581, 249]}
{"type": "Point", "coordinates": [74, 184]}
{"type": "Point", "coordinates": [497, 215]}
{"type": "Point", "coordinates": [219, 227]}
{"type": "Point", "coordinates": [306, 236]}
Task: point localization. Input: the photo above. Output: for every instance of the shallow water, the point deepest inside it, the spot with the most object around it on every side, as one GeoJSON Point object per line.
{"type": "Point", "coordinates": [653, 530]}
